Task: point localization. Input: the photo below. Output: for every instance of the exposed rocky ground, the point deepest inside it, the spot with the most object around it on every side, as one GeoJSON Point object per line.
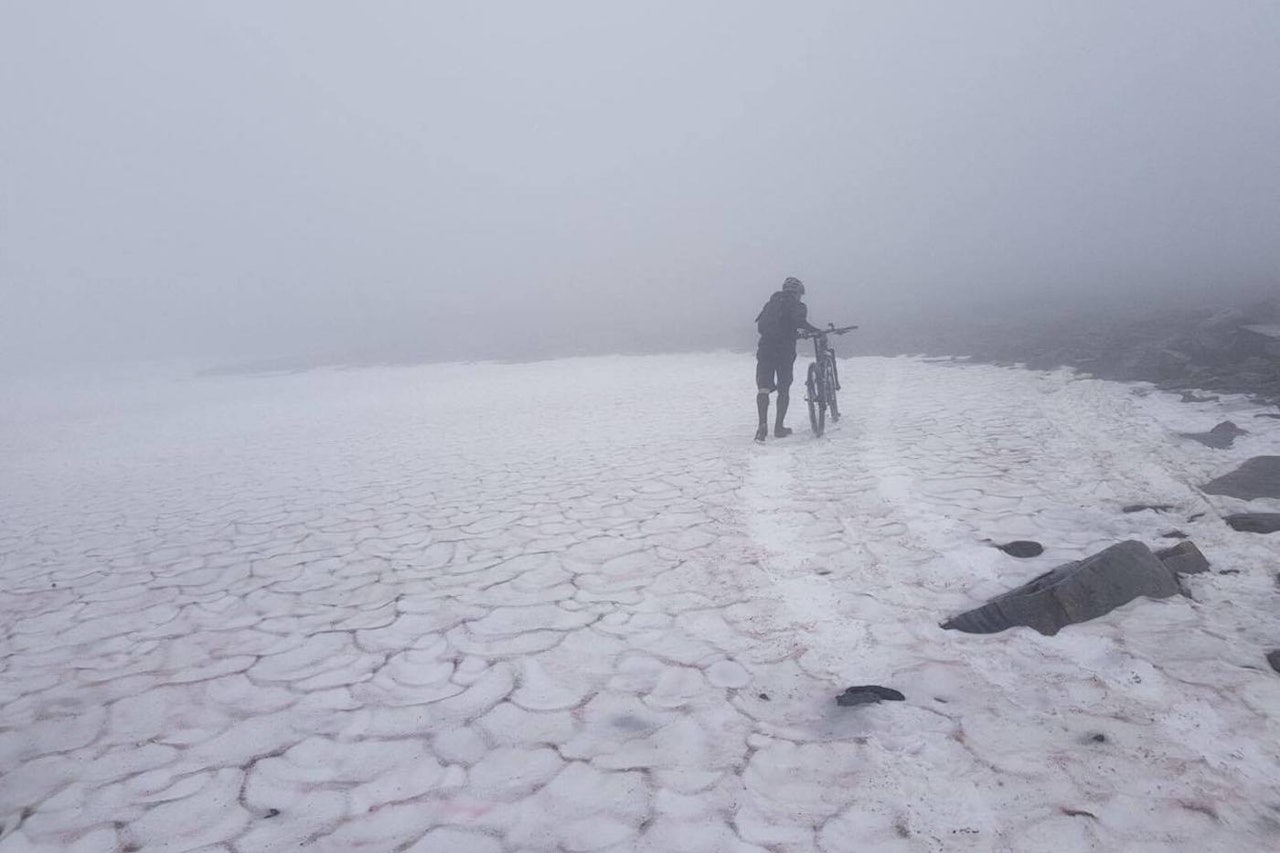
{"type": "Point", "coordinates": [1207, 348]}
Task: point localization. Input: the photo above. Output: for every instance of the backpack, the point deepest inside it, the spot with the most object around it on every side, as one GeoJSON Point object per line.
{"type": "Point", "coordinates": [775, 320]}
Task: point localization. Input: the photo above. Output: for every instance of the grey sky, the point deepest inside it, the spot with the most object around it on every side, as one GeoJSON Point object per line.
{"type": "Point", "coordinates": [244, 180]}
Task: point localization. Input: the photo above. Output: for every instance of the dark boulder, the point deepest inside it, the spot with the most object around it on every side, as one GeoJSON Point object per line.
{"type": "Point", "coordinates": [1254, 522]}
{"type": "Point", "coordinates": [1273, 658]}
{"type": "Point", "coordinates": [1257, 478]}
{"type": "Point", "coordinates": [1220, 437]}
{"type": "Point", "coordinates": [1075, 592]}
{"type": "Point", "coordinates": [1183, 559]}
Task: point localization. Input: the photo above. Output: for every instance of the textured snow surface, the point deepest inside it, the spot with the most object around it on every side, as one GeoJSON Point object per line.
{"type": "Point", "coordinates": [571, 606]}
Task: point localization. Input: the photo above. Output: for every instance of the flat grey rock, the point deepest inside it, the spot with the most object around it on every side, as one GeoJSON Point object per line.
{"type": "Point", "coordinates": [1220, 437]}
{"type": "Point", "coordinates": [1075, 592]}
{"type": "Point", "coordinates": [1273, 658]}
{"type": "Point", "coordinates": [1022, 548]}
{"type": "Point", "coordinates": [1183, 559]}
{"type": "Point", "coordinates": [1257, 478]}
{"type": "Point", "coordinates": [1131, 508]}
{"type": "Point", "coordinates": [867, 694]}
{"type": "Point", "coordinates": [1254, 522]}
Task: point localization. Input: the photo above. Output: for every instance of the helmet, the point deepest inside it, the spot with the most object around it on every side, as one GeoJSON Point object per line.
{"type": "Point", "coordinates": [793, 285]}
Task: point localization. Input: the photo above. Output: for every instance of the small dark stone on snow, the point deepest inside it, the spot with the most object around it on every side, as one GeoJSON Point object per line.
{"type": "Point", "coordinates": [1022, 548]}
{"type": "Point", "coordinates": [1254, 522]}
{"type": "Point", "coordinates": [824, 571]}
{"type": "Point", "coordinates": [1173, 534]}
{"type": "Point", "coordinates": [764, 696]}
{"type": "Point", "coordinates": [1099, 738]}
{"type": "Point", "coordinates": [1078, 813]}
{"type": "Point", "coordinates": [1229, 572]}
{"type": "Point", "coordinates": [1141, 507]}
{"type": "Point", "coordinates": [1196, 516]}
{"type": "Point", "coordinates": [272, 812]}
{"type": "Point", "coordinates": [866, 694]}
{"type": "Point", "coordinates": [1273, 658]}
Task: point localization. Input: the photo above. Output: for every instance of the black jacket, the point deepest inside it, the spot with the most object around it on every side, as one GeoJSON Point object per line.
{"type": "Point", "coordinates": [794, 317]}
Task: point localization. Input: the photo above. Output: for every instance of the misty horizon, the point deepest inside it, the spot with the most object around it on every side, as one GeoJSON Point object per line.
{"type": "Point", "coordinates": [226, 182]}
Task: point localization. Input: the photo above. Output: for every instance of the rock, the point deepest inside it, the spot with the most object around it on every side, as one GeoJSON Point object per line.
{"type": "Point", "coordinates": [1220, 437]}
{"type": "Point", "coordinates": [1141, 507]}
{"type": "Point", "coordinates": [1183, 559]}
{"type": "Point", "coordinates": [1077, 812]}
{"type": "Point", "coordinates": [1022, 548]}
{"type": "Point", "coordinates": [1254, 522]}
{"type": "Point", "coordinates": [1075, 592]}
{"type": "Point", "coordinates": [868, 694]}
{"type": "Point", "coordinates": [1173, 534]}
{"type": "Point", "coordinates": [1273, 658]}
{"type": "Point", "coordinates": [1257, 478]}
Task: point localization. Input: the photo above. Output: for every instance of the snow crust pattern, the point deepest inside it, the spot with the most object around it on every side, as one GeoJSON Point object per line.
{"type": "Point", "coordinates": [571, 606]}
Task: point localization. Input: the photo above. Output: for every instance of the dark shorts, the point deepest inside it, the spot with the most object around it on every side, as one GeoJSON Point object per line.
{"type": "Point", "coordinates": [774, 369]}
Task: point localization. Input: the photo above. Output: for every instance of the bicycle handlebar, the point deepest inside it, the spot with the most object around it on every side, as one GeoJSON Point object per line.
{"type": "Point", "coordinates": [830, 330]}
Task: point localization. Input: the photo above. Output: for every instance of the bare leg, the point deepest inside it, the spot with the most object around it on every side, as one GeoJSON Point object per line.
{"type": "Point", "coordinates": [784, 399]}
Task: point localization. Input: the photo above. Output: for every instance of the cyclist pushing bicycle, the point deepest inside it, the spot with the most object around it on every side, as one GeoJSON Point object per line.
{"type": "Point", "coordinates": [781, 322]}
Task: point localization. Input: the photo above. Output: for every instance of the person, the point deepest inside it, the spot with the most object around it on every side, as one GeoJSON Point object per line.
{"type": "Point", "coordinates": [778, 323]}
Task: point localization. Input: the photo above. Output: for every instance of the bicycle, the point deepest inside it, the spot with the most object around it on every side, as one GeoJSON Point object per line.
{"type": "Point", "coordinates": [823, 380]}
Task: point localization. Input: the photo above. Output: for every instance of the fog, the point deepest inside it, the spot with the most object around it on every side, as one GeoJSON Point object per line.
{"type": "Point", "coordinates": [240, 181]}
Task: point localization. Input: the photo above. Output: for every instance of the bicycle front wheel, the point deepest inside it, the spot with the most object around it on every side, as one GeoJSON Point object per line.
{"type": "Point", "coordinates": [829, 392]}
{"type": "Point", "coordinates": [813, 395]}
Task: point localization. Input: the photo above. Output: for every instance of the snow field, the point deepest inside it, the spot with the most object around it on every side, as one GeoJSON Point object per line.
{"type": "Point", "coordinates": [571, 606]}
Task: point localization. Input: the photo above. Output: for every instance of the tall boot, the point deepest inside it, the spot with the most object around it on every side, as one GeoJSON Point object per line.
{"type": "Point", "coordinates": [784, 399]}
{"type": "Point", "coordinates": [762, 408]}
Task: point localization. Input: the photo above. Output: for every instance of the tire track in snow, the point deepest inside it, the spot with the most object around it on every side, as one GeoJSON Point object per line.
{"type": "Point", "coordinates": [897, 503]}
{"type": "Point", "coordinates": [802, 543]}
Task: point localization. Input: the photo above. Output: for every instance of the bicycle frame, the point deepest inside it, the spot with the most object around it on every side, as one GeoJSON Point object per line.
{"type": "Point", "coordinates": [823, 380]}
